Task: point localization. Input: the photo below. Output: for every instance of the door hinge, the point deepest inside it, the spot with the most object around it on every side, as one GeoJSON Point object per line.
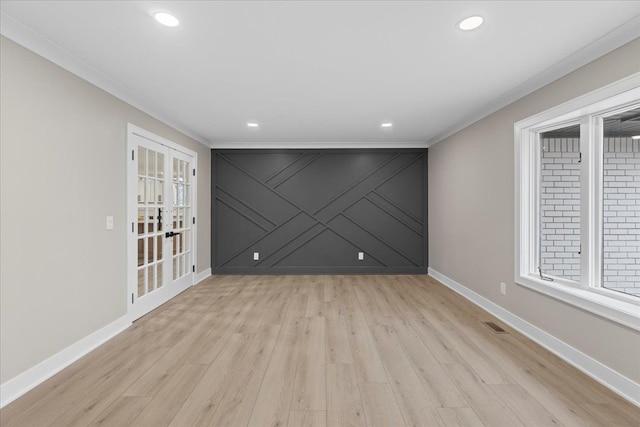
{"type": "Point", "coordinates": [194, 220]}
{"type": "Point", "coordinates": [131, 298]}
{"type": "Point", "coordinates": [132, 227]}
{"type": "Point", "coordinates": [580, 158]}
{"type": "Point", "coordinates": [133, 154]}
{"type": "Point", "coordinates": [193, 269]}
{"type": "Point", "coordinates": [194, 172]}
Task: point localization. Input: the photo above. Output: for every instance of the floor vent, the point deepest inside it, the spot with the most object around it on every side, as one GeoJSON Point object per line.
{"type": "Point", "coordinates": [497, 329]}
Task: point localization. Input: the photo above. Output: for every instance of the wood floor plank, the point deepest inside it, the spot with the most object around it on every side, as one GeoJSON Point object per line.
{"type": "Point", "coordinates": [122, 412]}
{"type": "Point", "coordinates": [366, 359]}
{"type": "Point", "coordinates": [338, 347]}
{"type": "Point", "coordinates": [490, 409]}
{"type": "Point", "coordinates": [344, 404]}
{"type": "Point", "coordinates": [528, 410]}
{"type": "Point", "coordinates": [308, 419]}
{"type": "Point", "coordinates": [460, 417]}
{"type": "Point", "coordinates": [201, 404]}
{"type": "Point", "coordinates": [319, 350]}
{"type": "Point", "coordinates": [414, 402]}
{"type": "Point", "coordinates": [274, 398]}
{"type": "Point", "coordinates": [240, 396]}
{"type": "Point", "coordinates": [380, 406]}
{"type": "Point", "coordinates": [171, 396]}
{"type": "Point", "coordinates": [100, 398]}
{"type": "Point", "coordinates": [309, 387]}
{"type": "Point", "coordinates": [441, 390]}
{"type": "Point", "coordinates": [609, 415]}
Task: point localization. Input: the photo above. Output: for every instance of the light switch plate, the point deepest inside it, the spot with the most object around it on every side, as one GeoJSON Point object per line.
{"type": "Point", "coordinates": [109, 223]}
{"type": "Point", "coordinates": [256, 256]}
{"type": "Point", "coordinates": [360, 256]}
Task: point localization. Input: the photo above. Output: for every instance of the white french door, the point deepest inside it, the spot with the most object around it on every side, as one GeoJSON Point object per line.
{"type": "Point", "coordinates": [160, 183]}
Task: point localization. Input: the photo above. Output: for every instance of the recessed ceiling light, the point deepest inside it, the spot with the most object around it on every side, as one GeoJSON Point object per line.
{"type": "Point", "coordinates": [470, 23]}
{"type": "Point", "coordinates": [166, 19]}
{"type": "Point", "coordinates": [635, 137]}
{"type": "Point", "coordinates": [252, 125]}
{"type": "Point", "coordinates": [386, 125]}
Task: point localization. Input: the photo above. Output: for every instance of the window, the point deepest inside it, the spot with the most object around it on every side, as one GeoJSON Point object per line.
{"type": "Point", "coordinates": [578, 202]}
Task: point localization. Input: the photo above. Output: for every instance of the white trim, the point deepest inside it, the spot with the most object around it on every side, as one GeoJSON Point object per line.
{"type": "Point", "coordinates": [315, 145]}
{"type": "Point", "coordinates": [133, 129]}
{"type": "Point", "coordinates": [172, 149]}
{"type": "Point", "coordinates": [606, 376]}
{"type": "Point", "coordinates": [202, 275]}
{"type": "Point", "coordinates": [598, 48]}
{"type": "Point", "coordinates": [36, 42]}
{"type": "Point", "coordinates": [588, 296]}
{"type": "Point", "coordinates": [19, 385]}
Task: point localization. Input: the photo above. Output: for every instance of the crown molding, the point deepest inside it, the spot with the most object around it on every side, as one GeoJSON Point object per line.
{"type": "Point", "coordinates": [316, 145]}
{"type": "Point", "coordinates": [625, 33]}
{"type": "Point", "coordinates": [36, 42]}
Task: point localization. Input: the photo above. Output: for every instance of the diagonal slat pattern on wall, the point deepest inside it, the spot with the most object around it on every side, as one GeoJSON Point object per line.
{"type": "Point", "coordinates": [312, 211]}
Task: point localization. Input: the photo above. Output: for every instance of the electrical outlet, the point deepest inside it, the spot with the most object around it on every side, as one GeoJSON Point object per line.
{"type": "Point", "coordinates": [109, 223]}
{"type": "Point", "coordinates": [360, 256]}
{"type": "Point", "coordinates": [256, 256]}
{"type": "Point", "coordinates": [503, 288]}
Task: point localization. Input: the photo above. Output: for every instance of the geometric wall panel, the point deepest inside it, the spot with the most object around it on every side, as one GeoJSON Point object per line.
{"type": "Point", "coordinates": [312, 211]}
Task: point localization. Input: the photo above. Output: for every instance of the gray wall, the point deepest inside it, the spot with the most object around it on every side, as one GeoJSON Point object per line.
{"type": "Point", "coordinates": [62, 165]}
{"type": "Point", "coordinates": [312, 211]}
{"type": "Point", "coordinates": [471, 216]}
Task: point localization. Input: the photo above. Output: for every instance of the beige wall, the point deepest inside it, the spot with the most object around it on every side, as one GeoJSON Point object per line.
{"type": "Point", "coordinates": [63, 150]}
{"type": "Point", "coordinates": [471, 216]}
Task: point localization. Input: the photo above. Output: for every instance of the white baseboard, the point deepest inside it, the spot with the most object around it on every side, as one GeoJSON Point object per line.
{"type": "Point", "coordinates": [17, 386]}
{"type": "Point", "coordinates": [202, 275]}
{"type": "Point", "coordinates": [606, 376]}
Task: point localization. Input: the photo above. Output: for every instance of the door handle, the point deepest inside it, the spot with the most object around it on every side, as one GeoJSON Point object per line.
{"type": "Point", "coordinates": [170, 234]}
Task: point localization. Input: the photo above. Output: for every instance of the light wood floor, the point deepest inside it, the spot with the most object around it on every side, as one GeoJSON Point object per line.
{"type": "Point", "coordinates": [386, 351]}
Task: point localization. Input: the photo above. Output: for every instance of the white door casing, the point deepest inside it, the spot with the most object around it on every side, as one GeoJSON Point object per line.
{"type": "Point", "coordinates": [161, 224]}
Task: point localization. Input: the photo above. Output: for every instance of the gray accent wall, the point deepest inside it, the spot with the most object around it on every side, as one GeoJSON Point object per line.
{"type": "Point", "coordinates": [312, 211]}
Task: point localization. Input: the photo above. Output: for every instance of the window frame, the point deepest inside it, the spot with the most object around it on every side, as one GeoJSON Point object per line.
{"type": "Point", "coordinates": [587, 110]}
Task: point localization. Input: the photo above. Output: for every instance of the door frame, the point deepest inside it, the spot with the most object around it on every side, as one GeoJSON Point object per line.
{"type": "Point", "coordinates": [132, 191]}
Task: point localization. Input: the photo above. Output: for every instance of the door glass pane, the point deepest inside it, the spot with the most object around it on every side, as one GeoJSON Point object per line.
{"type": "Point", "coordinates": [175, 268]}
{"type": "Point", "coordinates": [175, 169]}
{"type": "Point", "coordinates": [181, 171]}
{"type": "Point", "coordinates": [151, 169]}
{"type": "Point", "coordinates": [141, 190]}
{"type": "Point", "coordinates": [175, 218]}
{"type": "Point", "coordinates": [140, 252]}
{"type": "Point", "coordinates": [142, 161]}
{"type": "Point", "coordinates": [150, 246]}
{"type": "Point", "coordinates": [151, 191]}
{"type": "Point", "coordinates": [151, 284]}
{"type": "Point", "coordinates": [180, 200]}
{"type": "Point", "coordinates": [159, 274]}
{"type": "Point", "coordinates": [141, 218]}
{"type": "Point", "coordinates": [175, 245]}
{"type": "Point", "coordinates": [160, 168]}
{"type": "Point", "coordinates": [187, 172]}
{"type": "Point", "coordinates": [141, 287]}
{"type": "Point", "coordinates": [151, 220]}
{"type": "Point", "coordinates": [159, 246]}
{"type": "Point", "coordinates": [621, 202]}
{"type": "Point", "coordinates": [160, 191]}
{"type": "Point", "coordinates": [559, 202]}
{"type": "Point", "coordinates": [187, 240]}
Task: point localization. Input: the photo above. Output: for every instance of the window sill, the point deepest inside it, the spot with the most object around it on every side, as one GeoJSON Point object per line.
{"type": "Point", "coordinates": [626, 313]}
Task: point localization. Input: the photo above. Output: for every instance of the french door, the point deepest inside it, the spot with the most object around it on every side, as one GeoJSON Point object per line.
{"type": "Point", "coordinates": [161, 215]}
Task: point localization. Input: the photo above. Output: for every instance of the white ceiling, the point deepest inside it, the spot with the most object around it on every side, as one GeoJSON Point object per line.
{"type": "Point", "coordinates": [320, 71]}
